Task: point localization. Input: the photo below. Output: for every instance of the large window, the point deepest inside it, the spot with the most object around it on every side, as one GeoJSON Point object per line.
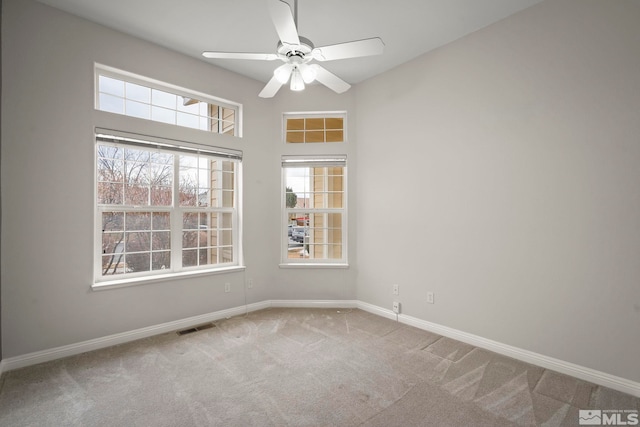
{"type": "Point", "coordinates": [136, 96]}
{"type": "Point", "coordinates": [314, 207]}
{"type": "Point", "coordinates": [163, 208]}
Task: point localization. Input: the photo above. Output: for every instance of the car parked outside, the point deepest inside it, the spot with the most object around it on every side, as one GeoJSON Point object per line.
{"type": "Point", "coordinates": [299, 233]}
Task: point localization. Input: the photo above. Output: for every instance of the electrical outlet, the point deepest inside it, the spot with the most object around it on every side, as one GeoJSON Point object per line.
{"type": "Point", "coordinates": [396, 290]}
{"type": "Point", "coordinates": [430, 297]}
{"type": "Point", "coordinates": [250, 283]}
{"type": "Point", "coordinates": [227, 287]}
{"type": "Point", "coordinates": [396, 307]}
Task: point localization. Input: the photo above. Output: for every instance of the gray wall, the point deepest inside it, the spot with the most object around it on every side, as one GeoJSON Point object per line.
{"type": "Point", "coordinates": [510, 187]}
{"type": "Point", "coordinates": [47, 185]}
{"type": "Point", "coordinates": [0, 185]}
{"type": "Point", "coordinates": [512, 184]}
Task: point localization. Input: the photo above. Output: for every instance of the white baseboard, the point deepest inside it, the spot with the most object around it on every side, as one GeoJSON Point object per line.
{"type": "Point", "coordinates": [374, 309]}
{"type": "Point", "coordinates": [583, 373]}
{"type": "Point", "coordinates": [313, 303]}
{"type": "Point", "coordinates": [110, 340]}
{"type": "Point", "coordinates": [586, 374]}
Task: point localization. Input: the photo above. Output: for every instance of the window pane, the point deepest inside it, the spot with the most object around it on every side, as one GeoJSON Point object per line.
{"type": "Point", "coordinates": [111, 86]}
{"type": "Point", "coordinates": [295, 137]}
{"type": "Point", "coordinates": [204, 257]}
{"type": "Point", "coordinates": [225, 254]}
{"type": "Point", "coordinates": [188, 120]}
{"type": "Point", "coordinates": [138, 262]}
{"type": "Point", "coordinates": [295, 124]}
{"type": "Point", "coordinates": [314, 124]}
{"type": "Point", "coordinates": [190, 258]}
{"type": "Point", "coordinates": [190, 221]}
{"type": "Point", "coordinates": [113, 264]}
{"type": "Point", "coordinates": [161, 240]}
{"type": "Point", "coordinates": [164, 115]}
{"type": "Point", "coordinates": [163, 99]}
{"type": "Point", "coordinates": [112, 221]}
{"type": "Point", "coordinates": [138, 221]}
{"type": "Point", "coordinates": [190, 239]}
{"type": "Point", "coordinates": [314, 136]}
{"type": "Point", "coordinates": [110, 193]}
{"type": "Point", "coordinates": [109, 152]}
{"type": "Point", "coordinates": [161, 221]}
{"type": "Point", "coordinates": [137, 241]}
{"type": "Point", "coordinates": [135, 162]}
{"type": "Point", "coordinates": [161, 260]}
{"type": "Point", "coordinates": [188, 196]}
{"type": "Point", "coordinates": [137, 195]}
{"type": "Point", "coordinates": [138, 109]}
{"type": "Point", "coordinates": [334, 123]}
{"type": "Point", "coordinates": [112, 242]}
{"type": "Point", "coordinates": [138, 93]}
{"type": "Point", "coordinates": [111, 103]}
{"type": "Point", "coordinates": [161, 196]}
{"type": "Point", "coordinates": [335, 136]}
{"type": "Point", "coordinates": [227, 220]}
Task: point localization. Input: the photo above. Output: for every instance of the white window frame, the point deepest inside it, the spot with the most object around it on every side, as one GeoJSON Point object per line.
{"type": "Point", "coordinates": [289, 161]}
{"type": "Point", "coordinates": [314, 115]}
{"type": "Point", "coordinates": [128, 77]}
{"type": "Point", "coordinates": [124, 139]}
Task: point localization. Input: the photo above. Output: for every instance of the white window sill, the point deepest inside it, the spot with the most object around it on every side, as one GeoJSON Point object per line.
{"type": "Point", "coordinates": [123, 283]}
{"type": "Point", "coordinates": [313, 265]}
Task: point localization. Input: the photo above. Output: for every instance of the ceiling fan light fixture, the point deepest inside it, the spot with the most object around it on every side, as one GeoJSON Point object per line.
{"type": "Point", "coordinates": [309, 72]}
{"type": "Point", "coordinates": [283, 72]}
{"type": "Point", "coordinates": [297, 83]}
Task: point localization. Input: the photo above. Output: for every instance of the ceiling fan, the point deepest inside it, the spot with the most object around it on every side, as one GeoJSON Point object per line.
{"type": "Point", "coordinates": [297, 53]}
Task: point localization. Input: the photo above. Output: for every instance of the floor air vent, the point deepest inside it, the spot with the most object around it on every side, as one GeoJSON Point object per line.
{"type": "Point", "coordinates": [196, 329]}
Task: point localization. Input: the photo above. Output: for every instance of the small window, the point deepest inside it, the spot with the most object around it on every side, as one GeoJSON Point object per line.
{"type": "Point", "coordinates": [313, 128]}
{"type": "Point", "coordinates": [163, 208]}
{"type": "Point", "coordinates": [136, 96]}
{"type": "Point", "coordinates": [314, 210]}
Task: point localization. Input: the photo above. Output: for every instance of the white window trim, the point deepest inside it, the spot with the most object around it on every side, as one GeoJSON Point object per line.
{"type": "Point", "coordinates": [101, 282]}
{"type": "Point", "coordinates": [107, 71]}
{"type": "Point", "coordinates": [311, 115]}
{"type": "Point", "coordinates": [311, 161]}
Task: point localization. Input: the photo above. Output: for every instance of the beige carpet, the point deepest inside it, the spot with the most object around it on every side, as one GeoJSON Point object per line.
{"type": "Point", "coordinates": [297, 367]}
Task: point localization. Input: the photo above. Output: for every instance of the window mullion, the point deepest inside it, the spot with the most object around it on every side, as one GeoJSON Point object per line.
{"type": "Point", "coordinates": [176, 218]}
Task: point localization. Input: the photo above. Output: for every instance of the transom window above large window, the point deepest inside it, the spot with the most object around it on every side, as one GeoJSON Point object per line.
{"type": "Point", "coordinates": [312, 128]}
{"type": "Point", "coordinates": [136, 96]}
{"type": "Point", "coordinates": [314, 210]}
{"type": "Point", "coordinates": [164, 209]}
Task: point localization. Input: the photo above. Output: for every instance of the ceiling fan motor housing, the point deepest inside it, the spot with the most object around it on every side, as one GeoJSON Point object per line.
{"type": "Point", "coordinates": [301, 52]}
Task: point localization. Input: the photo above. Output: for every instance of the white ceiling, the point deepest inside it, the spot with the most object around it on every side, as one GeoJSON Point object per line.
{"type": "Point", "coordinates": [408, 28]}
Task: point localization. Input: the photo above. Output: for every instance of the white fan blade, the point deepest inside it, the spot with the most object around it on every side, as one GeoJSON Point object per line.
{"type": "Point", "coordinates": [283, 20]}
{"type": "Point", "coordinates": [240, 55]}
{"type": "Point", "coordinates": [330, 80]}
{"type": "Point", "coordinates": [270, 90]}
{"type": "Point", "coordinates": [367, 47]}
